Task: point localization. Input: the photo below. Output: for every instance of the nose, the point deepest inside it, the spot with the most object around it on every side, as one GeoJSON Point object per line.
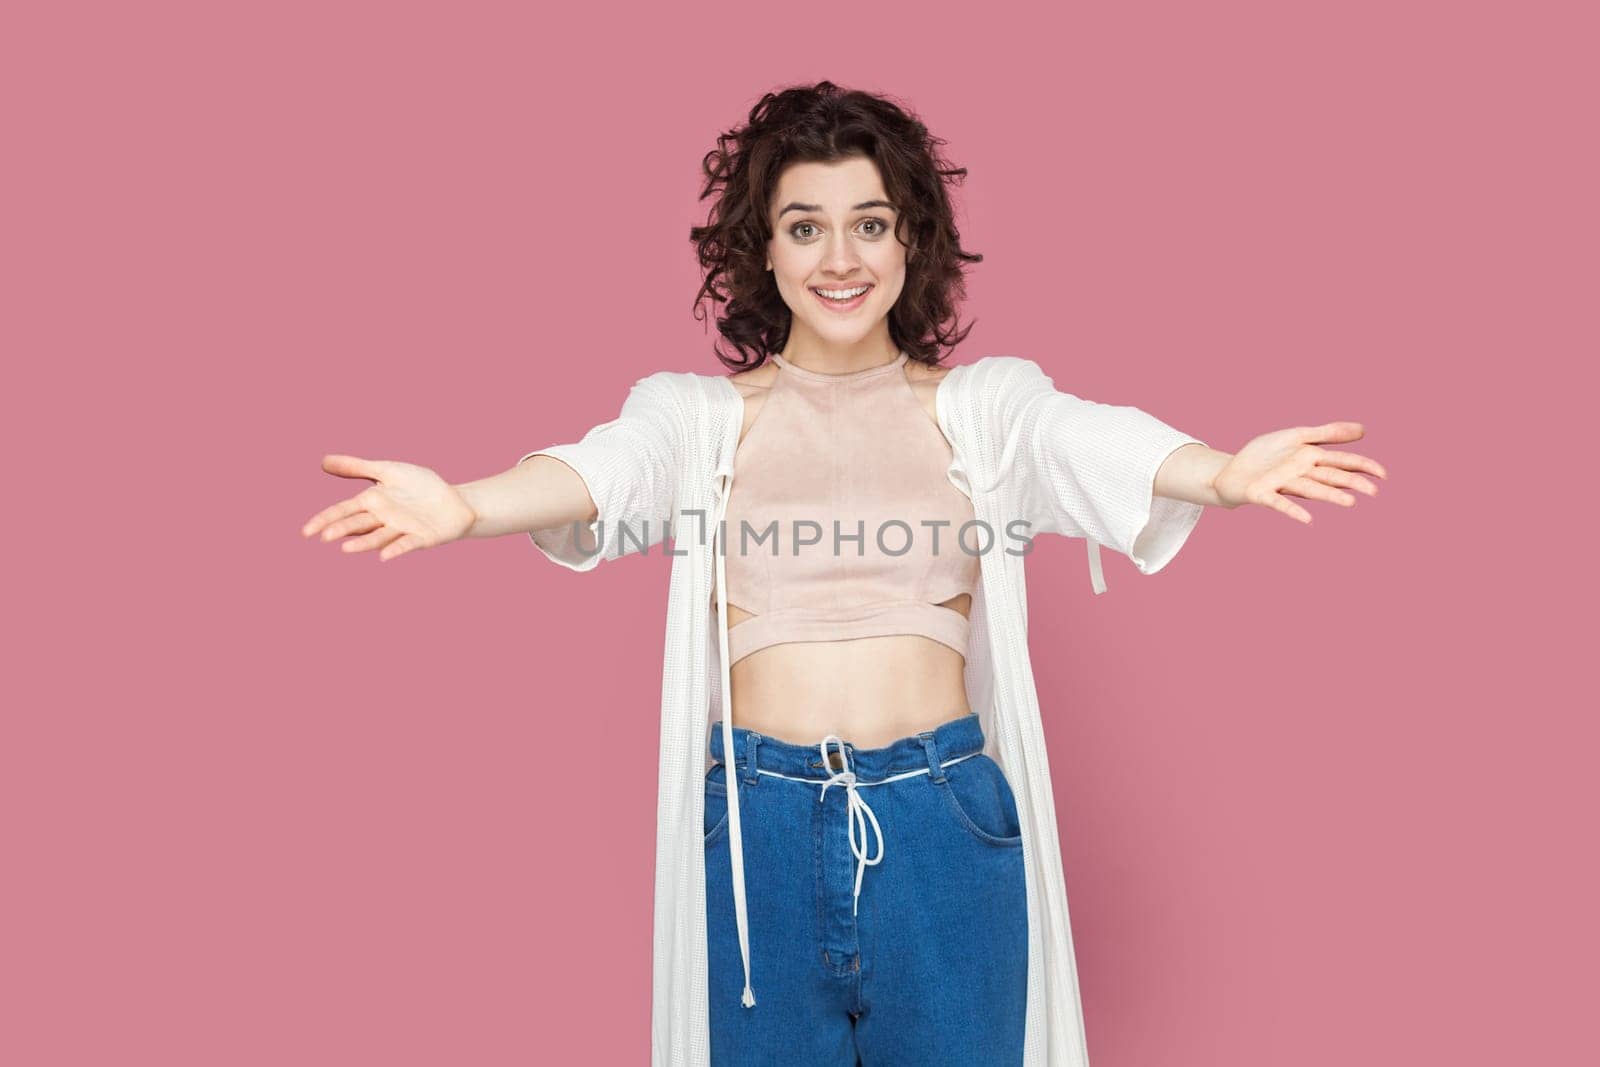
{"type": "Point", "coordinates": [841, 258]}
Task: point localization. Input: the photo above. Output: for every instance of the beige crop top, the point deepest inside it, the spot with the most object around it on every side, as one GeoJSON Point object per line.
{"type": "Point", "coordinates": [848, 460]}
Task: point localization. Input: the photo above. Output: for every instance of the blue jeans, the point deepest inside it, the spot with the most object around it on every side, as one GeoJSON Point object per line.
{"type": "Point", "coordinates": [929, 965]}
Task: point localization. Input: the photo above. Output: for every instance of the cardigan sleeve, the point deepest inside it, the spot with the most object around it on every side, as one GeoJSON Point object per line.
{"type": "Point", "coordinates": [630, 466]}
{"type": "Point", "coordinates": [1090, 468]}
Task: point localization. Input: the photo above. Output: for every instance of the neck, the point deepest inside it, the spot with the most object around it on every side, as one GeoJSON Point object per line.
{"type": "Point", "coordinates": [837, 359]}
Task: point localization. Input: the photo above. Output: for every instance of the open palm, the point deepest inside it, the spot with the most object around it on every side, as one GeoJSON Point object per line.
{"type": "Point", "coordinates": [407, 507]}
{"type": "Point", "coordinates": [1275, 466]}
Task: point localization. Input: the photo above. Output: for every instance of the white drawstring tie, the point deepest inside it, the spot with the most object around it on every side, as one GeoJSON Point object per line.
{"type": "Point", "coordinates": [724, 476]}
{"type": "Point", "coordinates": [856, 810]}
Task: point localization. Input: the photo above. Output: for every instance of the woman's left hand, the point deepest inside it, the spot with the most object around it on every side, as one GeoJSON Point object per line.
{"type": "Point", "coordinates": [1275, 466]}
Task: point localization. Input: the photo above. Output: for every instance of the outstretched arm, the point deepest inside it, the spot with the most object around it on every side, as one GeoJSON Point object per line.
{"type": "Point", "coordinates": [408, 506]}
{"type": "Point", "coordinates": [1113, 474]}
{"type": "Point", "coordinates": [1120, 477]}
{"type": "Point", "coordinates": [607, 495]}
{"type": "Point", "coordinates": [537, 494]}
{"type": "Point", "coordinates": [600, 497]}
{"type": "Point", "coordinates": [1188, 474]}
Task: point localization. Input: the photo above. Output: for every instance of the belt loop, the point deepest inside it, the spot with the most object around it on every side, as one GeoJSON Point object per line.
{"type": "Point", "coordinates": [751, 740]}
{"type": "Point", "coordinates": [931, 747]}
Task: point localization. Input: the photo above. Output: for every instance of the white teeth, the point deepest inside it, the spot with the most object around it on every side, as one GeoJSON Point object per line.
{"type": "Point", "coordinates": [843, 294]}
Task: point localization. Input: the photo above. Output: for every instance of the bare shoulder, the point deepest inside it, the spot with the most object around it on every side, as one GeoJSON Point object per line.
{"type": "Point", "coordinates": [925, 384]}
{"type": "Point", "coordinates": [753, 385]}
{"type": "Point", "coordinates": [755, 381]}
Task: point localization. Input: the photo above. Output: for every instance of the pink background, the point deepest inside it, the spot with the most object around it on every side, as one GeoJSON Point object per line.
{"type": "Point", "coordinates": [1325, 791]}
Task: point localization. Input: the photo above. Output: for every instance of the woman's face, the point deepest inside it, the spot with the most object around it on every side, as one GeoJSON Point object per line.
{"type": "Point", "coordinates": [833, 229]}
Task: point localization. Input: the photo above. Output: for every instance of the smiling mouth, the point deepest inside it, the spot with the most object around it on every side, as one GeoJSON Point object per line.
{"type": "Point", "coordinates": [845, 297]}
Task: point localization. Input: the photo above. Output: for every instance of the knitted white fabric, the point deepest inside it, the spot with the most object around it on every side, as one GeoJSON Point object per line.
{"type": "Point", "coordinates": [1022, 450]}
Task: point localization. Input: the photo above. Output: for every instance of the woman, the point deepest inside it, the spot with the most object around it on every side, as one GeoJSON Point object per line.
{"type": "Point", "coordinates": [864, 865]}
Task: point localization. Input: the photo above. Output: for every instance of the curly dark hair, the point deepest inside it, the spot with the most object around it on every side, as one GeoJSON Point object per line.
{"type": "Point", "coordinates": [824, 123]}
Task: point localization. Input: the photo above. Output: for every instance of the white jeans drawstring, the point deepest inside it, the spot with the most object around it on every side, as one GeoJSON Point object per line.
{"type": "Point", "coordinates": [856, 810]}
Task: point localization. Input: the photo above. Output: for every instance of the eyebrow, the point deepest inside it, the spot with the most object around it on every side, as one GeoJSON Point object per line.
{"type": "Point", "coordinates": [796, 206]}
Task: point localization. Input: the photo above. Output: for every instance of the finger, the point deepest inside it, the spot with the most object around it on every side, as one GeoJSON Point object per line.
{"type": "Point", "coordinates": [351, 466]}
{"type": "Point", "coordinates": [1351, 461]}
{"type": "Point", "coordinates": [333, 513]}
{"type": "Point", "coordinates": [401, 547]}
{"type": "Point", "coordinates": [1315, 490]}
{"type": "Point", "coordinates": [1279, 502]}
{"type": "Point", "coordinates": [1335, 476]}
{"type": "Point", "coordinates": [1333, 431]}
{"type": "Point", "coordinates": [356, 524]}
{"type": "Point", "coordinates": [1269, 497]}
{"type": "Point", "coordinates": [376, 539]}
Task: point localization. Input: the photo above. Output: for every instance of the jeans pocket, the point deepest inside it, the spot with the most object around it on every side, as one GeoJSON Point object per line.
{"type": "Point", "coordinates": [716, 802]}
{"type": "Point", "coordinates": [980, 799]}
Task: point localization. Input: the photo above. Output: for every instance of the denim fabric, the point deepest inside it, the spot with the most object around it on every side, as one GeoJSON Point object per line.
{"type": "Point", "coordinates": [932, 967]}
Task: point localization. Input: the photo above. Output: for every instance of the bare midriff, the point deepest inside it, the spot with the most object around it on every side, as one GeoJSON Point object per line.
{"type": "Point", "coordinates": [866, 690]}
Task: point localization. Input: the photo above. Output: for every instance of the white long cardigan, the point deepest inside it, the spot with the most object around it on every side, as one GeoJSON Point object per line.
{"type": "Point", "coordinates": [1022, 450]}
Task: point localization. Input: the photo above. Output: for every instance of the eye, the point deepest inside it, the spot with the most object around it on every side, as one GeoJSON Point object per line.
{"type": "Point", "coordinates": [881, 228]}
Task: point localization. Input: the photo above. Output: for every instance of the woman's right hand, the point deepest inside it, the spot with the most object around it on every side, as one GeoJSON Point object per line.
{"type": "Point", "coordinates": [407, 507]}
